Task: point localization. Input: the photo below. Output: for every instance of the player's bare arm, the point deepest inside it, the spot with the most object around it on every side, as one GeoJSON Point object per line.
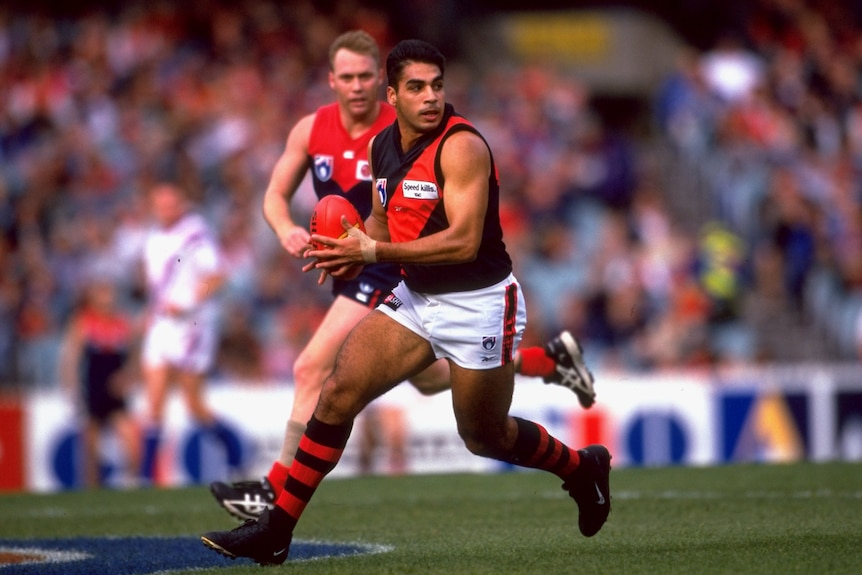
{"type": "Point", "coordinates": [210, 285]}
{"type": "Point", "coordinates": [206, 288]}
{"type": "Point", "coordinates": [286, 178]}
{"type": "Point", "coordinates": [70, 350]}
{"type": "Point", "coordinates": [466, 165]}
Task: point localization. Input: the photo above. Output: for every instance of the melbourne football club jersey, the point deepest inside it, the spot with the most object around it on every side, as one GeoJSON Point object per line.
{"type": "Point", "coordinates": [338, 162]}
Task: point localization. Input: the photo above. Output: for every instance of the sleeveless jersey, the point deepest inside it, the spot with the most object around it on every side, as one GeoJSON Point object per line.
{"type": "Point", "coordinates": [107, 341]}
{"type": "Point", "coordinates": [104, 331]}
{"type": "Point", "coordinates": [412, 190]}
{"type": "Point", "coordinates": [339, 165]}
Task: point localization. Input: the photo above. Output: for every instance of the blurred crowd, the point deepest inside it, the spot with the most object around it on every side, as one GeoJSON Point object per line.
{"type": "Point", "coordinates": [93, 105]}
{"type": "Point", "coordinates": [771, 119]}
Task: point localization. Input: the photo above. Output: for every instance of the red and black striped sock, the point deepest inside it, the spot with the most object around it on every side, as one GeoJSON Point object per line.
{"type": "Point", "coordinates": [319, 451]}
{"type": "Point", "coordinates": [537, 449]}
{"type": "Point", "coordinates": [277, 476]}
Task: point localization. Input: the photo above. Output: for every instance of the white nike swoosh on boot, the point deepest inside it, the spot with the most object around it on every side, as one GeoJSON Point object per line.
{"type": "Point", "coordinates": [601, 499]}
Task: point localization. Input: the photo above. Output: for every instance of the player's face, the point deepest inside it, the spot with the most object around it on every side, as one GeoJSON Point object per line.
{"type": "Point", "coordinates": [102, 295]}
{"type": "Point", "coordinates": [418, 98]}
{"type": "Point", "coordinates": [168, 204]}
{"type": "Point", "coordinates": [356, 80]}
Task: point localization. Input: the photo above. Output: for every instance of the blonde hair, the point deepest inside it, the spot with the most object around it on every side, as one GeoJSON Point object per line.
{"type": "Point", "coordinates": [358, 41]}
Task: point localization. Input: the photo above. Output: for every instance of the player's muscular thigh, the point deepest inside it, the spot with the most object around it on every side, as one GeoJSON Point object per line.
{"type": "Point", "coordinates": [377, 355]}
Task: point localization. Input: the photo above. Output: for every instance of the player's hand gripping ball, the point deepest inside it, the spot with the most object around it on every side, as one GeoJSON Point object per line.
{"type": "Point", "coordinates": [326, 217]}
{"type": "Point", "coordinates": [326, 221]}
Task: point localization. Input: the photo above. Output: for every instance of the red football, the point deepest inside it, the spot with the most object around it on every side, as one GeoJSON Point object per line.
{"type": "Point", "coordinates": [326, 217]}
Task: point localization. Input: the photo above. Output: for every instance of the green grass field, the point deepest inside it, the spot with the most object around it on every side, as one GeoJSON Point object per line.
{"type": "Point", "coordinates": [801, 518]}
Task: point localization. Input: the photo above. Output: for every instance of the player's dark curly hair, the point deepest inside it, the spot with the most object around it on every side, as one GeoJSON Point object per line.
{"type": "Point", "coordinates": [408, 51]}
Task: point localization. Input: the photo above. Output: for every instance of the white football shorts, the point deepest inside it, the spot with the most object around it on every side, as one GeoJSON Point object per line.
{"type": "Point", "coordinates": [478, 329]}
{"type": "Point", "coordinates": [186, 344]}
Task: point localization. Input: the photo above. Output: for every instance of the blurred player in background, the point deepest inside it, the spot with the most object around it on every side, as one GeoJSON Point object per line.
{"type": "Point", "coordinates": [183, 271]}
{"type": "Point", "coordinates": [95, 370]}
{"type": "Point", "coordinates": [457, 300]}
{"type": "Point", "coordinates": [333, 144]}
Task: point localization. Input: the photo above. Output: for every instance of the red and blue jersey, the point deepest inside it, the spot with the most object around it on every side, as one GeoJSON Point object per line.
{"type": "Point", "coordinates": [338, 162]}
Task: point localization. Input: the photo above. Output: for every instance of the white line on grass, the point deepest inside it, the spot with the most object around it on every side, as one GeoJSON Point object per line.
{"type": "Point", "coordinates": [671, 494]}
{"type": "Point", "coordinates": [758, 494]}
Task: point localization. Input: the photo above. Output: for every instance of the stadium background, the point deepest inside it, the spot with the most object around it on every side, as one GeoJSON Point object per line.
{"type": "Point", "coordinates": [702, 233]}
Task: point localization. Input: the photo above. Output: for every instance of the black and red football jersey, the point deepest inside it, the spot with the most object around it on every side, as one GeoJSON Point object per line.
{"type": "Point", "coordinates": [411, 187]}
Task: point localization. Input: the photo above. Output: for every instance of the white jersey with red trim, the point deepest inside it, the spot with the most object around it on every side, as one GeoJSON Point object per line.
{"type": "Point", "coordinates": [177, 259]}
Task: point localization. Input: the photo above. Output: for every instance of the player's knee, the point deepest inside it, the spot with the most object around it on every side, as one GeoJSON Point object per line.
{"type": "Point", "coordinates": [308, 373]}
{"type": "Point", "coordinates": [428, 386]}
{"type": "Point", "coordinates": [301, 368]}
{"type": "Point", "coordinates": [479, 442]}
{"type": "Point", "coordinates": [338, 402]}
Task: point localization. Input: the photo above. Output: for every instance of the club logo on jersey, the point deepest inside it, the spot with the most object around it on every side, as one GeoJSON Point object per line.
{"type": "Point", "coordinates": [363, 171]}
{"type": "Point", "coordinates": [380, 186]}
{"type": "Point", "coordinates": [418, 190]}
{"type": "Point", "coordinates": [323, 167]}
{"type": "Point", "coordinates": [364, 293]}
{"type": "Point", "coordinates": [489, 342]}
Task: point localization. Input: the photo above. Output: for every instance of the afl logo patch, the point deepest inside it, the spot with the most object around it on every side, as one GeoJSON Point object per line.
{"type": "Point", "coordinates": [489, 342]}
{"type": "Point", "coordinates": [323, 167]}
{"type": "Point", "coordinates": [380, 186]}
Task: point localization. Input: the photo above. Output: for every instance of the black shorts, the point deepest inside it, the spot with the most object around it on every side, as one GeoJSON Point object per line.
{"type": "Point", "coordinates": [101, 406]}
{"type": "Point", "coordinates": [373, 283]}
{"type": "Point", "coordinates": [99, 370]}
